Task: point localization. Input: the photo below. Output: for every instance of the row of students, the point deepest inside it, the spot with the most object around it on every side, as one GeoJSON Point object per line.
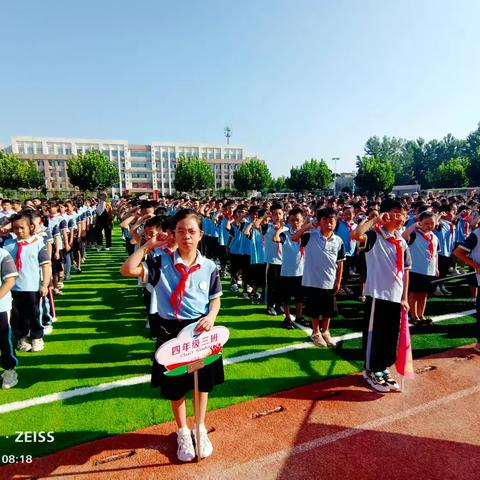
{"type": "Point", "coordinates": [38, 245]}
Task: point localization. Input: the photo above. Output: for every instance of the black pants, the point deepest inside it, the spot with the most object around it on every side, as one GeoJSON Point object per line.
{"type": "Point", "coordinates": [380, 334]}
{"type": "Point", "coordinates": [103, 226]}
{"type": "Point", "coordinates": [273, 285]}
{"type": "Point", "coordinates": [7, 354]}
{"type": "Point", "coordinates": [26, 315]}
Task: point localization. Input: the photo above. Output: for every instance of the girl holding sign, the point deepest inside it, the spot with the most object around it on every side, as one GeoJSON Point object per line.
{"type": "Point", "coordinates": [186, 289]}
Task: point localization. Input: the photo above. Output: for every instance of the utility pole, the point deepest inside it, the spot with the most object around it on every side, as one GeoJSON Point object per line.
{"type": "Point", "coordinates": [335, 160]}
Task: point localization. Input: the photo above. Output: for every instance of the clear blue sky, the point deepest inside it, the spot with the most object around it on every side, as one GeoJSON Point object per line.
{"type": "Point", "coordinates": [294, 79]}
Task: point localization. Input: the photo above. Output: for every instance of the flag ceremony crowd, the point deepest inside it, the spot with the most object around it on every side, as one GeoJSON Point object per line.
{"type": "Point", "coordinates": [295, 255]}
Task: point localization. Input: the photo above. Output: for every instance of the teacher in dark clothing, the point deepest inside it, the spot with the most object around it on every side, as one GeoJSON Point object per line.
{"type": "Point", "coordinates": [104, 222]}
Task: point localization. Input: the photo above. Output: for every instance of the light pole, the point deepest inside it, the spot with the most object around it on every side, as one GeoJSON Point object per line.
{"type": "Point", "coordinates": [335, 160]}
{"type": "Point", "coordinates": [228, 133]}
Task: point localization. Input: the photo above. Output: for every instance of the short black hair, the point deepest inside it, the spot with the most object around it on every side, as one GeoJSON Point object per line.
{"type": "Point", "coordinates": [326, 212]}
{"type": "Point", "coordinates": [185, 213]}
{"type": "Point", "coordinates": [390, 204]}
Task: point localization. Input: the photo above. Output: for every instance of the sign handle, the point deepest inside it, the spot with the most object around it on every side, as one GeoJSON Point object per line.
{"type": "Point", "coordinates": [196, 401]}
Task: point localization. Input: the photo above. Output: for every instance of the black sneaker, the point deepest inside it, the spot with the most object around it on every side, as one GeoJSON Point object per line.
{"type": "Point", "coordinates": [376, 381]}
{"type": "Point", "coordinates": [280, 310]}
{"type": "Point", "coordinates": [288, 324]}
{"type": "Point", "coordinates": [390, 381]}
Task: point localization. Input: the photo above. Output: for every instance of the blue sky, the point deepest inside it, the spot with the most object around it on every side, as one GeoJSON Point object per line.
{"type": "Point", "coordinates": [294, 79]}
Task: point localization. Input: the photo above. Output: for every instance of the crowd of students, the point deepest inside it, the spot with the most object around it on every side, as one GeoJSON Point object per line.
{"type": "Point", "coordinates": [42, 242]}
{"type": "Point", "coordinates": [302, 252]}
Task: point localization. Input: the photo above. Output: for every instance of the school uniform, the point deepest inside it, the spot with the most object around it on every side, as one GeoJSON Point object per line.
{"type": "Point", "coordinates": [47, 306]}
{"type": "Point", "coordinates": [202, 284]}
{"type": "Point", "coordinates": [7, 354]}
{"type": "Point", "coordinates": [343, 230]}
{"type": "Point", "coordinates": [291, 271]}
{"type": "Point", "coordinates": [239, 251]}
{"type": "Point", "coordinates": [445, 233]}
{"type": "Point", "coordinates": [257, 259]}
{"type": "Point", "coordinates": [223, 238]}
{"type": "Point", "coordinates": [273, 259]}
{"type": "Point", "coordinates": [29, 256]}
{"type": "Point", "coordinates": [322, 256]}
{"type": "Point", "coordinates": [471, 245]}
{"type": "Point", "coordinates": [424, 253]}
{"type": "Point", "coordinates": [387, 257]}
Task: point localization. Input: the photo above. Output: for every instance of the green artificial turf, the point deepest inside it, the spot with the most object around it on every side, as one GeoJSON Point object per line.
{"type": "Point", "coordinates": [100, 336]}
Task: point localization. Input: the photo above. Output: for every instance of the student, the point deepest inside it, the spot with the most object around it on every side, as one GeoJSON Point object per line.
{"type": "Point", "coordinates": [257, 253]}
{"type": "Point", "coordinates": [30, 256]}
{"type": "Point", "coordinates": [322, 273]}
{"type": "Point", "coordinates": [273, 259]}
{"type": "Point", "coordinates": [445, 233]}
{"type": "Point", "coordinates": [187, 290]}
{"type": "Point", "coordinates": [468, 252]}
{"type": "Point", "coordinates": [423, 245]}
{"type": "Point", "coordinates": [345, 227]}
{"type": "Point", "coordinates": [8, 274]}
{"type": "Point", "coordinates": [386, 288]}
{"type": "Point", "coordinates": [291, 272]}
{"type": "Point", "coordinates": [237, 248]}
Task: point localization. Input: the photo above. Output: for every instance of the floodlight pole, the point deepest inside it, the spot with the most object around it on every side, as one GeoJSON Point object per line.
{"type": "Point", "coordinates": [228, 133]}
{"type": "Point", "coordinates": [335, 160]}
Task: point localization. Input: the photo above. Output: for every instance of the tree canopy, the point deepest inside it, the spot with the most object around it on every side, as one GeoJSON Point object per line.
{"type": "Point", "coordinates": [252, 175]}
{"type": "Point", "coordinates": [374, 175]}
{"type": "Point", "coordinates": [16, 173]}
{"type": "Point", "coordinates": [193, 174]}
{"type": "Point", "coordinates": [311, 175]}
{"type": "Point", "coordinates": [92, 171]}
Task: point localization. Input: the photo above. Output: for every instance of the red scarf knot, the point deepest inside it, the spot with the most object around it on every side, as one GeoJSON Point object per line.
{"type": "Point", "coordinates": [429, 238]}
{"type": "Point", "coordinates": [398, 248]}
{"type": "Point", "coordinates": [177, 295]}
{"type": "Point", "coordinates": [18, 256]}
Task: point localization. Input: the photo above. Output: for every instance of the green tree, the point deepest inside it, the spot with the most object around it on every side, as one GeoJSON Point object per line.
{"type": "Point", "coordinates": [252, 175]}
{"type": "Point", "coordinates": [311, 175]}
{"type": "Point", "coordinates": [451, 173]}
{"type": "Point", "coordinates": [11, 171]}
{"type": "Point", "coordinates": [92, 171]}
{"type": "Point", "coordinates": [32, 178]}
{"type": "Point", "coordinates": [278, 184]}
{"type": "Point", "coordinates": [193, 174]}
{"type": "Point", "coordinates": [472, 152]}
{"type": "Point", "coordinates": [374, 175]}
{"type": "Point", "coordinates": [391, 149]}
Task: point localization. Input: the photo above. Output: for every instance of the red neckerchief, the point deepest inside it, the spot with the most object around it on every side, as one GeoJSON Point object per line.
{"type": "Point", "coordinates": [18, 256]}
{"type": "Point", "coordinates": [398, 247]}
{"type": "Point", "coordinates": [429, 239]}
{"type": "Point", "coordinates": [177, 296]}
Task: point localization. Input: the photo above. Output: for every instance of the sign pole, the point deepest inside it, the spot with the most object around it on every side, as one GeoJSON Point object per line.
{"type": "Point", "coordinates": [197, 413]}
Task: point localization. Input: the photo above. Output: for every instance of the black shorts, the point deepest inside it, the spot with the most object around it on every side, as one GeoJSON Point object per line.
{"type": "Point", "coordinates": [444, 263]}
{"type": "Point", "coordinates": [175, 388]}
{"type": "Point", "coordinates": [320, 302]}
{"type": "Point", "coordinates": [417, 282]}
{"type": "Point", "coordinates": [291, 289]}
{"type": "Point", "coordinates": [257, 274]}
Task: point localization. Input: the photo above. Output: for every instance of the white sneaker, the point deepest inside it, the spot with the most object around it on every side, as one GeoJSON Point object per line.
{"type": "Point", "coordinates": [206, 447]}
{"type": "Point", "coordinates": [438, 292]}
{"type": "Point", "coordinates": [185, 450]}
{"type": "Point", "coordinates": [318, 340]}
{"type": "Point", "coordinates": [107, 249]}
{"type": "Point", "coordinates": [47, 329]}
{"type": "Point", "coordinates": [37, 345]}
{"type": "Point", "coordinates": [328, 339]}
{"type": "Point", "coordinates": [10, 379]}
{"type": "Point", "coordinates": [24, 345]}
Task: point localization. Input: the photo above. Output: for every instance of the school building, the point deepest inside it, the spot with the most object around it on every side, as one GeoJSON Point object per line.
{"type": "Point", "coordinates": [142, 168]}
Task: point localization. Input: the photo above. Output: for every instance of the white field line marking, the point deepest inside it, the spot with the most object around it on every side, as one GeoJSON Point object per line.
{"type": "Point", "coordinates": [285, 454]}
{"type": "Point", "coordinates": [103, 387]}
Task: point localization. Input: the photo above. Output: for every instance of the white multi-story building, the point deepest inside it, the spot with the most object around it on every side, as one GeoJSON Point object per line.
{"type": "Point", "coordinates": [142, 168]}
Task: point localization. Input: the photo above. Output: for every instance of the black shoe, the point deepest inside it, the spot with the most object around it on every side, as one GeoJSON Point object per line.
{"type": "Point", "coordinates": [288, 324]}
{"type": "Point", "coordinates": [280, 310]}
{"type": "Point", "coordinates": [272, 311]}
